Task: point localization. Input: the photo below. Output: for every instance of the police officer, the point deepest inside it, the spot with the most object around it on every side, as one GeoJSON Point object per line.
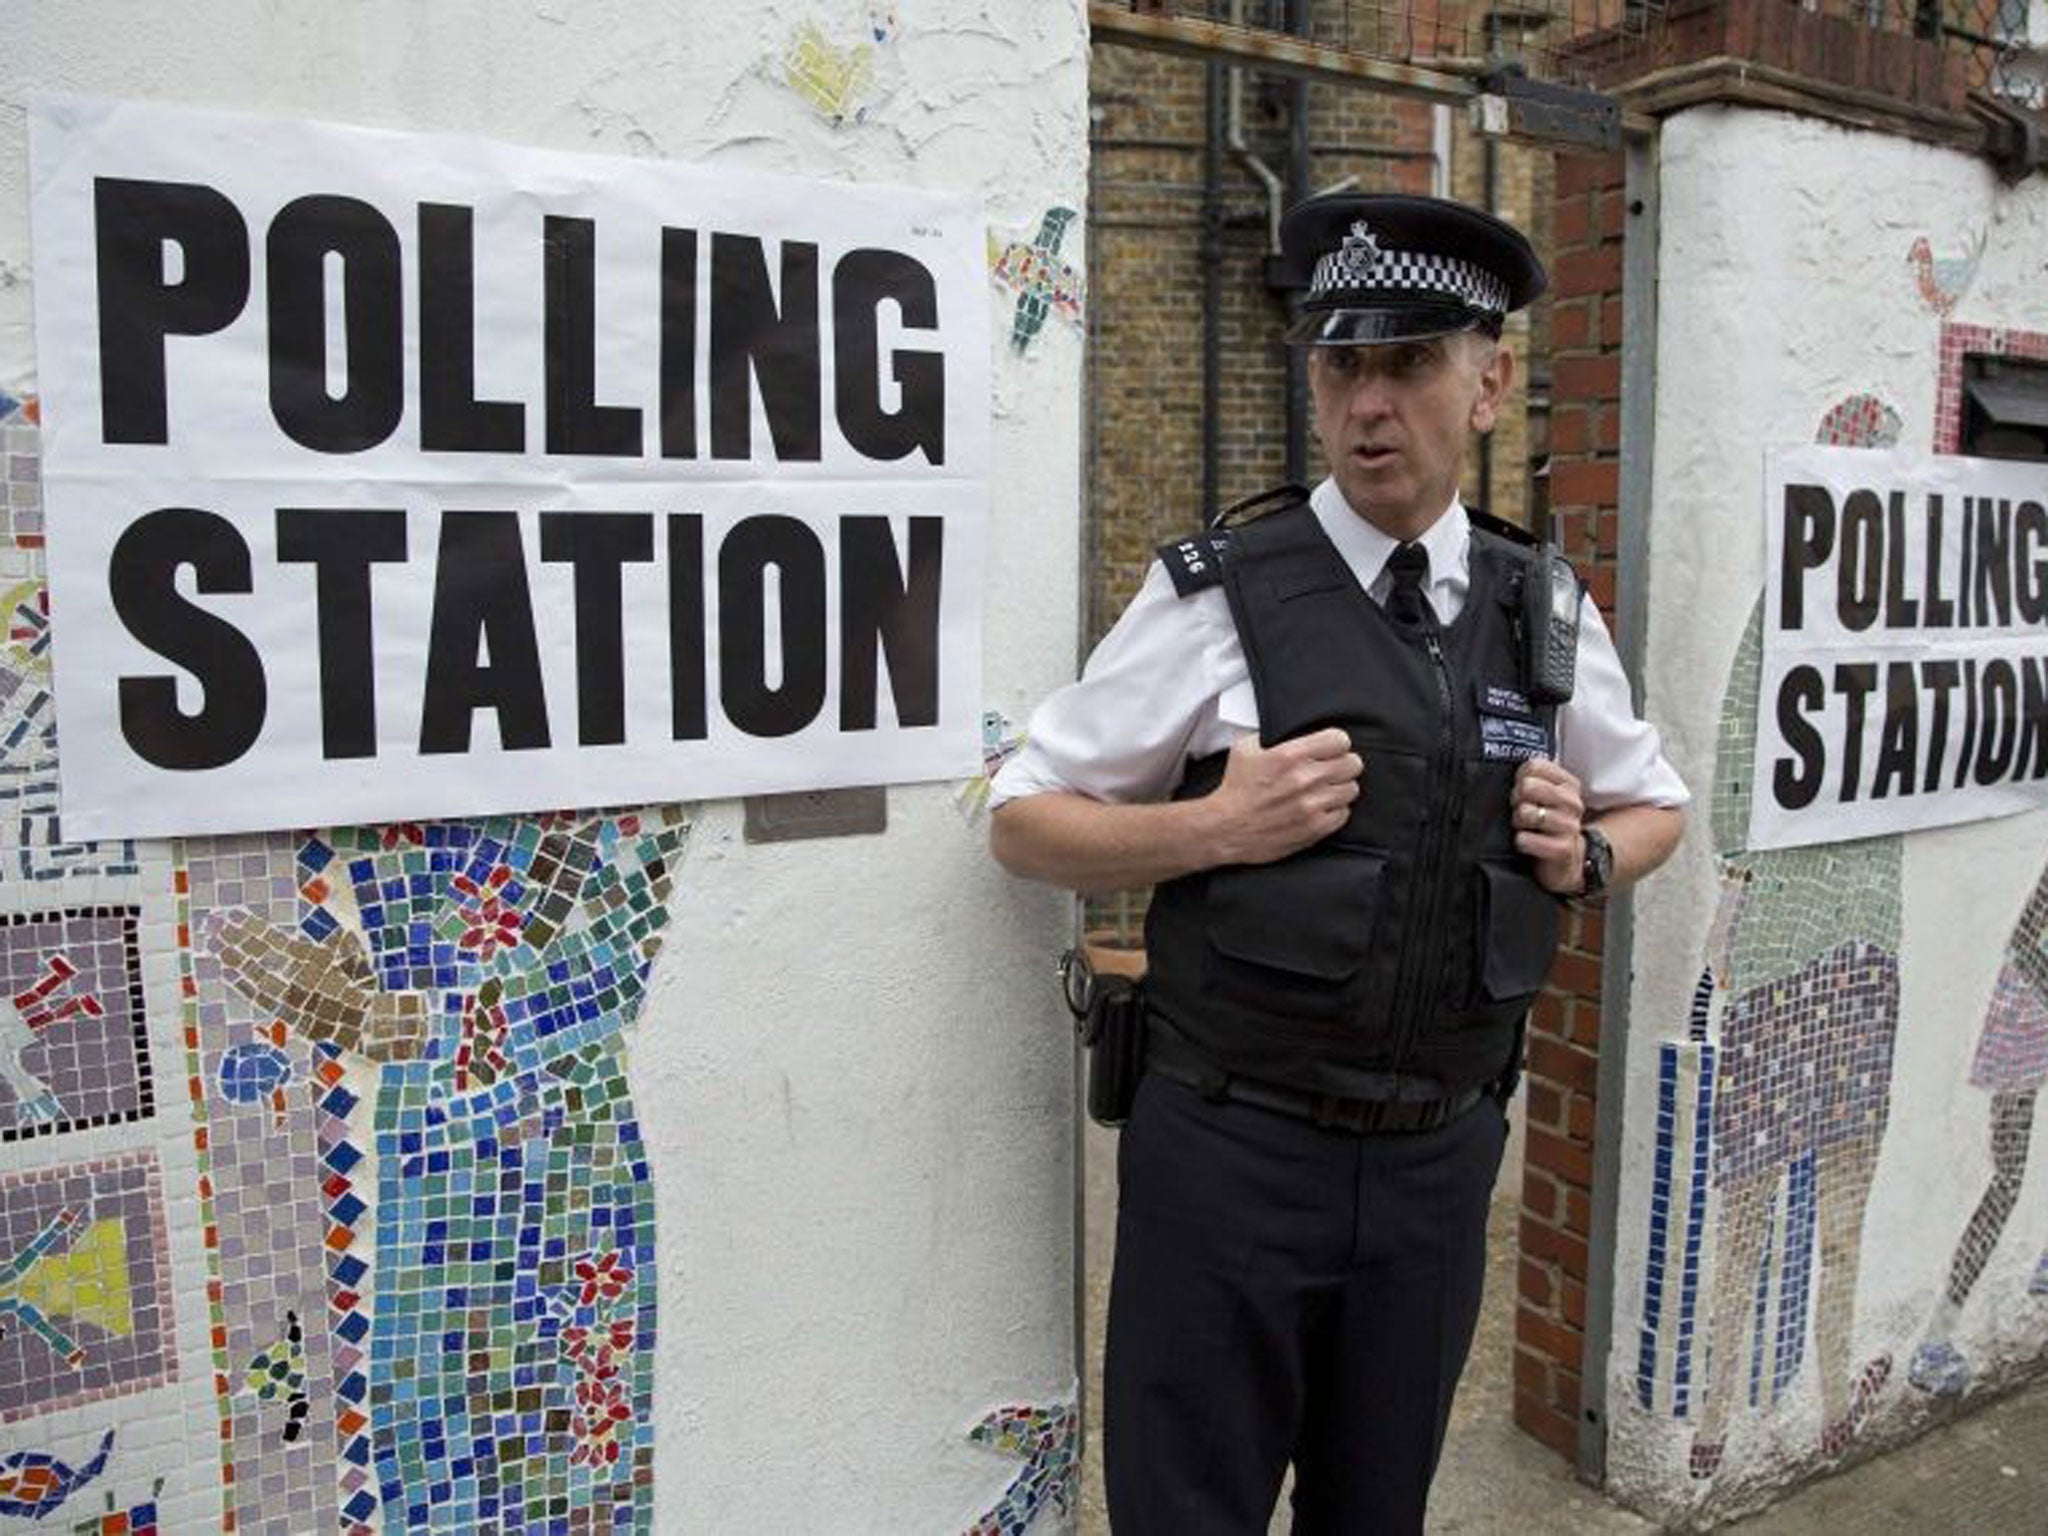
{"type": "Point", "coordinates": [1328, 735]}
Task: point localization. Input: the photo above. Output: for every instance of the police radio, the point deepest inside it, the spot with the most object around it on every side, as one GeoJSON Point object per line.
{"type": "Point", "coordinates": [1550, 626]}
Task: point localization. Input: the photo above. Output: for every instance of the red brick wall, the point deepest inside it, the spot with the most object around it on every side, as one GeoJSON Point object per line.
{"type": "Point", "coordinates": [1564, 1029]}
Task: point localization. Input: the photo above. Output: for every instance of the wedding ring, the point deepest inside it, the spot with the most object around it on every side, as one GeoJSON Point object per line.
{"type": "Point", "coordinates": [1542, 815]}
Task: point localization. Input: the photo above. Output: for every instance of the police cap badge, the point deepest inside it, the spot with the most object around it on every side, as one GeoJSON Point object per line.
{"type": "Point", "coordinates": [1384, 267]}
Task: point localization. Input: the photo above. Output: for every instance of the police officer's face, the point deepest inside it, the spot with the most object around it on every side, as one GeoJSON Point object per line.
{"type": "Point", "coordinates": [1394, 420]}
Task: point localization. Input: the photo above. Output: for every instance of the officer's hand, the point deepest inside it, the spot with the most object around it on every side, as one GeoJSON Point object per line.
{"type": "Point", "coordinates": [1276, 801]}
{"type": "Point", "coordinates": [1547, 812]}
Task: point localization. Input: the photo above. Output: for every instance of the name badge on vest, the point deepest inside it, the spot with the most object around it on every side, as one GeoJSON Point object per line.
{"type": "Point", "coordinates": [1508, 731]}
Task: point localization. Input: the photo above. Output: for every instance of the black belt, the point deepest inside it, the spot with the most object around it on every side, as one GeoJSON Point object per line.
{"type": "Point", "coordinates": [1167, 1055]}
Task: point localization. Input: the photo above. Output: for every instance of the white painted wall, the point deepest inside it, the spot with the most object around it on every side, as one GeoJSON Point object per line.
{"type": "Point", "coordinates": [852, 1072]}
{"type": "Point", "coordinates": [1786, 285]}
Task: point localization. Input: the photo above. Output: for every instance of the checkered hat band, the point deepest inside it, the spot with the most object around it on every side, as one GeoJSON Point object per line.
{"type": "Point", "coordinates": [1343, 273]}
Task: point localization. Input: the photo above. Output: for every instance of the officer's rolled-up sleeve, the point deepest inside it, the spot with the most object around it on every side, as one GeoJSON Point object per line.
{"type": "Point", "coordinates": [1617, 758]}
{"type": "Point", "coordinates": [1146, 699]}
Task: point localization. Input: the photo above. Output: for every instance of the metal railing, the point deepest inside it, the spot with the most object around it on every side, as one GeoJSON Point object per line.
{"type": "Point", "coordinates": [1548, 39]}
{"type": "Point", "coordinates": [1446, 37]}
{"type": "Point", "coordinates": [1992, 37]}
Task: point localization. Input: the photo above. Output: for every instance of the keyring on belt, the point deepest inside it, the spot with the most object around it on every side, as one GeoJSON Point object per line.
{"type": "Point", "coordinates": [1077, 982]}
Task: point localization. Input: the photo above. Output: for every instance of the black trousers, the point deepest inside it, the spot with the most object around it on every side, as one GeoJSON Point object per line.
{"type": "Point", "coordinates": [1284, 1293]}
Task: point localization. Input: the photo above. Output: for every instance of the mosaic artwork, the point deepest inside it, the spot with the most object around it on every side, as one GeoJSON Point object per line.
{"type": "Point", "coordinates": [74, 1050]}
{"type": "Point", "coordinates": [271, 1109]}
{"type": "Point", "coordinates": [2010, 1058]}
{"type": "Point", "coordinates": [838, 79]}
{"type": "Point", "coordinates": [21, 481]}
{"type": "Point", "coordinates": [1943, 280]}
{"type": "Point", "coordinates": [84, 1294]}
{"type": "Point", "coordinates": [1861, 421]}
{"type": "Point", "coordinates": [1780, 1092]}
{"type": "Point", "coordinates": [421, 1185]}
{"type": "Point", "coordinates": [28, 718]}
{"type": "Point", "coordinates": [37, 849]}
{"type": "Point", "coordinates": [1666, 1363]}
{"type": "Point", "coordinates": [137, 1519]}
{"type": "Point", "coordinates": [2010, 1063]}
{"type": "Point", "coordinates": [1000, 741]}
{"type": "Point", "coordinates": [1958, 344]}
{"type": "Point", "coordinates": [432, 1017]}
{"type": "Point", "coordinates": [35, 1484]}
{"type": "Point", "coordinates": [1046, 284]}
{"type": "Point", "coordinates": [32, 845]}
{"type": "Point", "coordinates": [278, 1374]}
{"type": "Point", "coordinates": [1047, 1440]}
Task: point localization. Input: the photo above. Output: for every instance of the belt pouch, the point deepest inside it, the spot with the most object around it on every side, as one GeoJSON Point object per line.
{"type": "Point", "coordinates": [1114, 1032]}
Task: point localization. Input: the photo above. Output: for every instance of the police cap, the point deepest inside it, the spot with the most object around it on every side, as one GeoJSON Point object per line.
{"type": "Point", "coordinates": [1388, 266]}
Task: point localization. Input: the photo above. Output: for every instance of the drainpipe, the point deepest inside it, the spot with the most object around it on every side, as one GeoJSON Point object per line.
{"type": "Point", "coordinates": [1276, 202]}
{"type": "Point", "coordinates": [1489, 159]}
{"type": "Point", "coordinates": [1276, 194]}
{"type": "Point", "coordinates": [1298, 172]}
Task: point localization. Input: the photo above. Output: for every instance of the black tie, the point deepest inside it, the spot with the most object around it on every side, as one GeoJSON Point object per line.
{"type": "Point", "coordinates": [1406, 605]}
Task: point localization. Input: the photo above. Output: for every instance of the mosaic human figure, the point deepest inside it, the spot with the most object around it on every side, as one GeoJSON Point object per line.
{"type": "Point", "coordinates": [489, 970]}
{"type": "Point", "coordinates": [2010, 1064]}
{"type": "Point", "coordinates": [1805, 950]}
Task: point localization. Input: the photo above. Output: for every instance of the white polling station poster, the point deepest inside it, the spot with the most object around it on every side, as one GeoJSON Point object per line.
{"type": "Point", "coordinates": [393, 475]}
{"type": "Point", "coordinates": [1905, 644]}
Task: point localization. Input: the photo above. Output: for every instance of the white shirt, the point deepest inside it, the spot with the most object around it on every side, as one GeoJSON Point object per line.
{"type": "Point", "coordinates": [1169, 683]}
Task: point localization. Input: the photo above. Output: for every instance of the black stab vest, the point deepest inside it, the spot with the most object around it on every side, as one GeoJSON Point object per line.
{"type": "Point", "coordinates": [1414, 938]}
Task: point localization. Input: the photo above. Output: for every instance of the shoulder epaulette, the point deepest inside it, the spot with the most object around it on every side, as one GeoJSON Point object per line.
{"type": "Point", "coordinates": [1264, 504]}
{"type": "Point", "coordinates": [1501, 528]}
{"type": "Point", "coordinates": [1196, 562]}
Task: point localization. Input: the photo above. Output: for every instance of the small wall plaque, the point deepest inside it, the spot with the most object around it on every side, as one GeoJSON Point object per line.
{"type": "Point", "coordinates": [816, 813]}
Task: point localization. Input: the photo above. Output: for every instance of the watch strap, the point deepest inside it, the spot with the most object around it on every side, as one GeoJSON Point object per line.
{"type": "Point", "coordinates": [1597, 870]}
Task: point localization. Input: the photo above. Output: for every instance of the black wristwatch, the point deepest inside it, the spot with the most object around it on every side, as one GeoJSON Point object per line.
{"type": "Point", "coordinates": [1598, 867]}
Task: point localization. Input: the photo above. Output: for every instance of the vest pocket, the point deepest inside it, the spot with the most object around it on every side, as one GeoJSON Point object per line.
{"type": "Point", "coordinates": [1518, 922]}
{"type": "Point", "coordinates": [1292, 937]}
